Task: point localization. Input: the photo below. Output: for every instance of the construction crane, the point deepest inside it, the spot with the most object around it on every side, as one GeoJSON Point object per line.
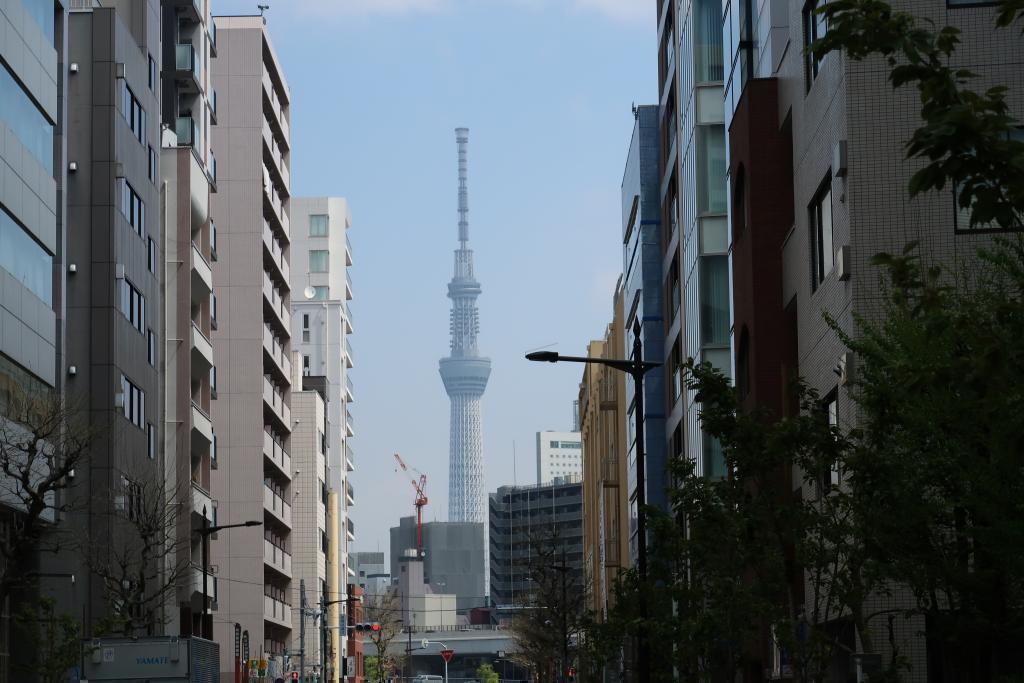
{"type": "Point", "coordinates": [419, 502]}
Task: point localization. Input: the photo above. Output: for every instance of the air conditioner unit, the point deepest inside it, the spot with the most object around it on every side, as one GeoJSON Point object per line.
{"type": "Point", "coordinates": [843, 262]}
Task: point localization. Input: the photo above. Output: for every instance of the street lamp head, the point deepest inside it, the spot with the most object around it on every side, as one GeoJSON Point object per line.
{"type": "Point", "coordinates": [543, 356]}
{"type": "Point", "coordinates": [253, 522]}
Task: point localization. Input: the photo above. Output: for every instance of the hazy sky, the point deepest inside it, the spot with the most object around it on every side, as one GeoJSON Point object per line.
{"type": "Point", "coordinates": [545, 87]}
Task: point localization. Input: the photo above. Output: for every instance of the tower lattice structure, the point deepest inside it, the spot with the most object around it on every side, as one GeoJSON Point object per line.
{"type": "Point", "coordinates": [465, 372]}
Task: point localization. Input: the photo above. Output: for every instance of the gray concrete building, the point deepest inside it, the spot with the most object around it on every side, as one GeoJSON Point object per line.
{"type": "Point", "coordinates": [642, 258]}
{"type": "Point", "coordinates": [454, 557]}
{"type": "Point", "coordinates": [523, 518]}
{"type": "Point", "coordinates": [33, 102]}
{"type": "Point", "coordinates": [114, 304]}
{"type": "Point", "coordinates": [188, 175]}
{"type": "Point", "coordinates": [252, 342]}
{"type": "Point", "coordinates": [369, 572]}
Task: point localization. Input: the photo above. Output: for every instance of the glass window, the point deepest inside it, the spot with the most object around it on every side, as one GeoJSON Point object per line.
{"type": "Point", "coordinates": [714, 305]}
{"type": "Point", "coordinates": [152, 73]}
{"type": "Point", "coordinates": [822, 255]}
{"type": "Point", "coordinates": [132, 206]}
{"type": "Point", "coordinates": [133, 305]}
{"type": "Point", "coordinates": [152, 164]}
{"type": "Point", "coordinates": [318, 225]}
{"type": "Point", "coordinates": [151, 440]}
{"type": "Point", "coordinates": [23, 117]}
{"type": "Point", "coordinates": [134, 402]}
{"type": "Point", "coordinates": [707, 40]}
{"type": "Point", "coordinates": [320, 293]}
{"type": "Point", "coordinates": [132, 111]}
{"type": "Point", "coordinates": [151, 347]}
{"type": "Point", "coordinates": [42, 13]}
{"type": "Point", "coordinates": [318, 260]}
{"type": "Point", "coordinates": [151, 254]}
{"type": "Point", "coordinates": [711, 181]}
{"type": "Point", "coordinates": [25, 259]}
{"type": "Point", "coordinates": [815, 27]}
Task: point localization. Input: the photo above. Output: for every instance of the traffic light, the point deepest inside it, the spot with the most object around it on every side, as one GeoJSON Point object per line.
{"type": "Point", "coordinates": [368, 627]}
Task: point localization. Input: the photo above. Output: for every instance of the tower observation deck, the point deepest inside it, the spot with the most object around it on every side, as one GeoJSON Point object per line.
{"type": "Point", "coordinates": [465, 372]}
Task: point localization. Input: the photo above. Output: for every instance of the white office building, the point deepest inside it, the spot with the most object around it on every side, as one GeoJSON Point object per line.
{"type": "Point", "coordinates": [559, 456]}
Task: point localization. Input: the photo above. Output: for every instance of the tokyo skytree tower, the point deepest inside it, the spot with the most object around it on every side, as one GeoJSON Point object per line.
{"type": "Point", "coordinates": [465, 373]}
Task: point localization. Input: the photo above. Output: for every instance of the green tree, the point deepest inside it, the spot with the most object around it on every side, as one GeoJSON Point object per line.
{"type": "Point", "coordinates": [51, 642]}
{"type": "Point", "coordinates": [485, 673]}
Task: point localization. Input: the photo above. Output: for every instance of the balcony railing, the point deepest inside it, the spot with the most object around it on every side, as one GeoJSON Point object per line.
{"type": "Point", "coordinates": [277, 506]}
{"type": "Point", "coordinates": [277, 611]}
{"type": "Point", "coordinates": [276, 453]}
{"type": "Point", "coordinates": [350, 458]}
{"type": "Point", "coordinates": [277, 558]}
{"type": "Point", "coordinates": [351, 397]}
{"type": "Point", "coordinates": [185, 58]}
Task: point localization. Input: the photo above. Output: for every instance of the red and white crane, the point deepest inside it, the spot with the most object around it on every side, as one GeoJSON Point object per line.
{"type": "Point", "coordinates": [419, 502]}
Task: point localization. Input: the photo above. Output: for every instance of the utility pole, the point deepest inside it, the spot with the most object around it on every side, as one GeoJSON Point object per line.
{"type": "Point", "coordinates": [302, 630]}
{"type": "Point", "coordinates": [323, 637]}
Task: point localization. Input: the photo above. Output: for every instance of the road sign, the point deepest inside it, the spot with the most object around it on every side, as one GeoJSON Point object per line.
{"type": "Point", "coordinates": [447, 655]}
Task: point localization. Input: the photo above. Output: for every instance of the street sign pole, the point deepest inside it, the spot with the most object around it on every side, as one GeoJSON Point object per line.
{"type": "Point", "coordinates": [446, 655]}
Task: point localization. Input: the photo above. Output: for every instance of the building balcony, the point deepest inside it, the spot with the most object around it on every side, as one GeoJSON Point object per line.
{"type": "Point", "coordinates": [277, 507]}
{"type": "Point", "coordinates": [202, 428]}
{"type": "Point", "coordinates": [197, 585]}
{"type": "Point", "coordinates": [191, 10]}
{"type": "Point", "coordinates": [202, 353]}
{"type": "Point", "coordinates": [277, 456]}
{"type": "Point", "coordinates": [349, 362]}
{"type": "Point", "coordinates": [350, 494]}
{"type": "Point", "coordinates": [348, 285]}
{"type": "Point", "coordinates": [350, 458]}
{"type": "Point", "coordinates": [273, 254]}
{"type": "Point", "coordinates": [211, 100]}
{"type": "Point", "coordinates": [277, 559]}
{"type": "Point", "coordinates": [212, 32]}
{"type": "Point", "coordinates": [348, 318]}
{"type": "Point", "coordinates": [202, 274]}
{"type": "Point", "coordinates": [274, 303]}
{"type": "Point", "coordinates": [349, 393]}
{"type": "Point", "coordinates": [349, 430]}
{"type": "Point", "coordinates": [273, 102]}
{"type": "Point", "coordinates": [348, 250]}
{"type": "Point", "coordinates": [280, 362]}
{"type": "Point", "coordinates": [187, 131]}
{"type": "Point", "coordinates": [350, 529]}
{"type": "Point", "coordinates": [277, 612]}
{"type": "Point", "coordinates": [201, 500]}
{"type": "Point", "coordinates": [273, 398]}
{"type": "Point", "coordinates": [273, 157]}
{"type": "Point", "coordinates": [274, 204]}
{"type": "Point", "coordinates": [188, 67]}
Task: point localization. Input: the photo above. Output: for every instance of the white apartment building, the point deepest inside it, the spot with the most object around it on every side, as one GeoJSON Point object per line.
{"type": "Point", "coordinates": [321, 254]}
{"type": "Point", "coordinates": [559, 455]}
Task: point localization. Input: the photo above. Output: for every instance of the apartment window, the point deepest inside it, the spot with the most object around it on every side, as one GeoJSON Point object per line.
{"type": "Point", "coordinates": [711, 182]}
{"type": "Point", "coordinates": [24, 258]}
{"type": "Point", "coordinates": [815, 28]}
{"type": "Point", "coordinates": [318, 260]}
{"type": "Point", "coordinates": [132, 206]}
{"type": "Point", "coordinates": [213, 310]}
{"type": "Point", "coordinates": [151, 440]}
{"type": "Point", "coordinates": [830, 408]}
{"type": "Point", "coordinates": [25, 119]}
{"type": "Point", "coordinates": [152, 164]}
{"type": "Point", "coordinates": [320, 293]}
{"type": "Point", "coordinates": [820, 214]}
{"type": "Point", "coordinates": [133, 113]}
{"type": "Point", "coordinates": [305, 328]}
{"type": "Point", "coordinates": [318, 225]}
{"type": "Point", "coordinates": [134, 400]}
{"type": "Point", "coordinates": [305, 365]}
{"type": "Point", "coordinates": [131, 498]}
{"type": "Point", "coordinates": [714, 305]}
{"type": "Point", "coordinates": [152, 73]}
{"type": "Point", "coordinates": [133, 305]}
{"type": "Point", "coordinates": [151, 347]}
{"type": "Point", "coordinates": [151, 254]}
{"type": "Point", "coordinates": [707, 48]}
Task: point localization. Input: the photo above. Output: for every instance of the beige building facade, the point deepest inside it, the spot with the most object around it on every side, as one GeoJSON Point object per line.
{"type": "Point", "coordinates": [602, 404]}
{"type": "Point", "coordinates": [252, 347]}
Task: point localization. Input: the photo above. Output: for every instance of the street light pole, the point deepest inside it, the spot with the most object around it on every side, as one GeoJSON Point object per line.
{"type": "Point", "coordinates": [637, 368]}
{"type": "Point", "coordinates": [204, 537]}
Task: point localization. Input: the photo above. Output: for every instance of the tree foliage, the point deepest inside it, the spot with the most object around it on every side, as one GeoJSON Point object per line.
{"type": "Point", "coordinates": [52, 642]}
{"type": "Point", "coordinates": [485, 673]}
{"type": "Point", "coordinates": [385, 609]}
